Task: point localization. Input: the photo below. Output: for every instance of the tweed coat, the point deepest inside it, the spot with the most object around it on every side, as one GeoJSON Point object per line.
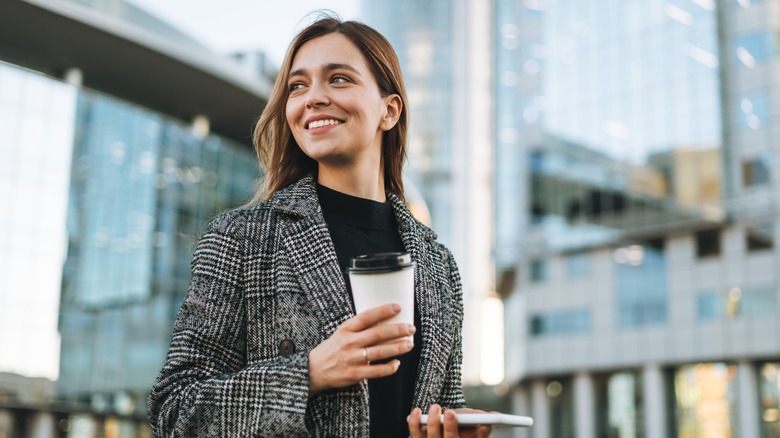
{"type": "Point", "coordinates": [266, 289]}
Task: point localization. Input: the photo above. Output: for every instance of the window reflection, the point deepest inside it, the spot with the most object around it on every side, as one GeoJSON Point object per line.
{"type": "Point", "coordinates": [756, 171]}
{"type": "Point", "coordinates": [619, 405]}
{"type": "Point", "coordinates": [770, 399]}
{"type": "Point", "coordinates": [705, 396]}
{"type": "Point", "coordinates": [561, 398]}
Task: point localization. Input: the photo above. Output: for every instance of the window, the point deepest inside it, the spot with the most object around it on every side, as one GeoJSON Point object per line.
{"type": "Point", "coordinates": [566, 321]}
{"type": "Point", "coordinates": [538, 271]}
{"type": "Point", "coordinates": [759, 237]}
{"type": "Point", "coordinates": [709, 306]}
{"type": "Point", "coordinates": [770, 398]}
{"type": "Point", "coordinates": [577, 265]}
{"type": "Point", "coordinates": [737, 302]}
{"type": "Point", "coordinates": [753, 48]}
{"type": "Point", "coordinates": [640, 284]}
{"type": "Point", "coordinates": [619, 405]}
{"type": "Point", "coordinates": [753, 111]}
{"type": "Point", "coordinates": [561, 399]}
{"type": "Point", "coordinates": [706, 397]}
{"type": "Point", "coordinates": [756, 171]}
{"type": "Point", "coordinates": [708, 243]}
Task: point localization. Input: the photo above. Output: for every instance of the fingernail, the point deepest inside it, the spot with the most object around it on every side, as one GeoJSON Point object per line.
{"type": "Point", "coordinates": [396, 308]}
{"type": "Point", "coordinates": [411, 328]}
{"type": "Point", "coordinates": [409, 345]}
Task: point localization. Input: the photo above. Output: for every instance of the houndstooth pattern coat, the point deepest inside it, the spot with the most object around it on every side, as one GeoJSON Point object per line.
{"type": "Point", "coordinates": [266, 288]}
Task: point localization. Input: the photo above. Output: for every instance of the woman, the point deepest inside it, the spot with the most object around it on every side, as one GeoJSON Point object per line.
{"type": "Point", "coordinates": [267, 342]}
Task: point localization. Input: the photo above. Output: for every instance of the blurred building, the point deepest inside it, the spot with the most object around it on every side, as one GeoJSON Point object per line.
{"type": "Point", "coordinates": [444, 48]}
{"type": "Point", "coordinates": [120, 137]}
{"type": "Point", "coordinates": [637, 215]}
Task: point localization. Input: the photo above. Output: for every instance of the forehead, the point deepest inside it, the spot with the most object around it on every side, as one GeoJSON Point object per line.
{"type": "Point", "coordinates": [333, 48]}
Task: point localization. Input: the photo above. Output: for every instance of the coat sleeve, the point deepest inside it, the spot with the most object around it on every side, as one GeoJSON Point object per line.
{"type": "Point", "coordinates": [452, 392]}
{"type": "Point", "coordinates": [206, 387]}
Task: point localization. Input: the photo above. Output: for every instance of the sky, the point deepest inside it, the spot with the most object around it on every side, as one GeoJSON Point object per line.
{"type": "Point", "coordinates": [228, 26]}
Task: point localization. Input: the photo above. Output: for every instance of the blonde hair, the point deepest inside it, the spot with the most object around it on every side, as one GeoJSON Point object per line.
{"type": "Point", "coordinates": [281, 159]}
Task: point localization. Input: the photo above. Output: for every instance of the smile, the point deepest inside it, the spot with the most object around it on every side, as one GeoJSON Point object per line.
{"type": "Point", "coordinates": [321, 123]}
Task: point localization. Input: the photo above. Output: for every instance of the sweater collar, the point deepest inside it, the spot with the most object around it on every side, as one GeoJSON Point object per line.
{"type": "Point", "coordinates": [300, 199]}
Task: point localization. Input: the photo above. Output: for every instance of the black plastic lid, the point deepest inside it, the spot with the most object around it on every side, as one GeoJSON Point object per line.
{"type": "Point", "coordinates": [380, 262]}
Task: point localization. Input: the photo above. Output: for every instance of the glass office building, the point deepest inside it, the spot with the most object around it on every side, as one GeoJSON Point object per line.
{"type": "Point", "coordinates": [111, 165]}
{"type": "Point", "coordinates": [636, 215]}
{"type": "Point", "coordinates": [142, 188]}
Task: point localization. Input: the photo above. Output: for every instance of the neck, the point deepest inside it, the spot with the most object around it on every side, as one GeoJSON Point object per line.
{"type": "Point", "coordinates": [365, 183]}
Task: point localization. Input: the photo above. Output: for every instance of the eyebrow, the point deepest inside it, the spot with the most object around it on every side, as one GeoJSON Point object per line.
{"type": "Point", "coordinates": [327, 68]}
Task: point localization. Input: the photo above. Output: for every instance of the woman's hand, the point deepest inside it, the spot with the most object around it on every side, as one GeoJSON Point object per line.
{"type": "Point", "coordinates": [345, 358]}
{"type": "Point", "coordinates": [450, 429]}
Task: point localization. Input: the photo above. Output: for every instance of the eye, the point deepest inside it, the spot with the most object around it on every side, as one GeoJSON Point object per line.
{"type": "Point", "coordinates": [340, 79]}
{"type": "Point", "coordinates": [294, 86]}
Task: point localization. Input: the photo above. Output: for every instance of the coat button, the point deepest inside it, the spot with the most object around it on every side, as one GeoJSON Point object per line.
{"type": "Point", "coordinates": [286, 348]}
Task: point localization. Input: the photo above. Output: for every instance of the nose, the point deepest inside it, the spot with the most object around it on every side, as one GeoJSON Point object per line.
{"type": "Point", "coordinates": [317, 96]}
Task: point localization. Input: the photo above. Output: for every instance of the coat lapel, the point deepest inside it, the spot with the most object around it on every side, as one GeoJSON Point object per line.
{"type": "Point", "coordinates": [310, 251]}
{"type": "Point", "coordinates": [433, 304]}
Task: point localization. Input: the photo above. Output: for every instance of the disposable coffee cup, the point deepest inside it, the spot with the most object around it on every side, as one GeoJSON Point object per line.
{"type": "Point", "coordinates": [384, 278]}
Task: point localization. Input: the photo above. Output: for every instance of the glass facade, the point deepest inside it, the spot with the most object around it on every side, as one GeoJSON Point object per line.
{"type": "Point", "coordinates": [143, 186]}
{"type": "Point", "coordinates": [635, 202]}
{"type": "Point", "coordinates": [105, 199]}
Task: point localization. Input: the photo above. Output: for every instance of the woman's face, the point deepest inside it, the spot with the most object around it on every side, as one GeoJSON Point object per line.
{"type": "Point", "coordinates": [335, 110]}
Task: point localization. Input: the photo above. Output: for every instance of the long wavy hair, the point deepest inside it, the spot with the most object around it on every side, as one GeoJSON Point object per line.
{"type": "Point", "coordinates": [280, 156]}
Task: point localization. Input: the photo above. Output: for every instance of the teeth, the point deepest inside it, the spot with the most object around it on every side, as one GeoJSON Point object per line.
{"type": "Point", "coordinates": [321, 123]}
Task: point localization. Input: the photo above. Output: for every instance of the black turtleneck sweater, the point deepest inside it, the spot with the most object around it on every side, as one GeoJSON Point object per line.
{"type": "Point", "coordinates": [361, 226]}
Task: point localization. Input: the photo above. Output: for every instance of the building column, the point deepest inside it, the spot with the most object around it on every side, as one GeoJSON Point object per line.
{"type": "Point", "coordinates": [653, 401]}
{"type": "Point", "coordinates": [584, 405]}
{"type": "Point", "coordinates": [520, 406]}
{"type": "Point", "coordinates": [42, 425]}
{"type": "Point", "coordinates": [747, 396]}
{"type": "Point", "coordinates": [540, 407]}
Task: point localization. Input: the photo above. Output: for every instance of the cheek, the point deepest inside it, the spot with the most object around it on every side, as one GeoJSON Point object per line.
{"type": "Point", "coordinates": [289, 113]}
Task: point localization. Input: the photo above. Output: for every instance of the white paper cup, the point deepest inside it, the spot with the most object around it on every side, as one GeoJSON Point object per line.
{"type": "Point", "coordinates": [384, 278]}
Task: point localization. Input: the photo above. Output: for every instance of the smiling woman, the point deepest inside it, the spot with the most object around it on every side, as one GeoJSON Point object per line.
{"type": "Point", "coordinates": [267, 341]}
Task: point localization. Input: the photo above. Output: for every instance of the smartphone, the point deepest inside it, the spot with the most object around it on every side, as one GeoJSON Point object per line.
{"type": "Point", "coordinates": [492, 418]}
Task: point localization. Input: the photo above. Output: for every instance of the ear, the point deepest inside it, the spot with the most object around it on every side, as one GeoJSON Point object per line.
{"type": "Point", "coordinates": [393, 108]}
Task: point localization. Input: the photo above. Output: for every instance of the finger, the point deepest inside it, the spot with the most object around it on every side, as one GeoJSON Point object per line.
{"type": "Point", "coordinates": [450, 424]}
{"type": "Point", "coordinates": [434, 421]}
{"type": "Point", "coordinates": [415, 430]}
{"type": "Point", "coordinates": [384, 351]}
{"type": "Point", "coordinates": [384, 333]}
{"type": "Point", "coordinates": [375, 371]}
{"type": "Point", "coordinates": [369, 318]}
{"type": "Point", "coordinates": [484, 431]}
